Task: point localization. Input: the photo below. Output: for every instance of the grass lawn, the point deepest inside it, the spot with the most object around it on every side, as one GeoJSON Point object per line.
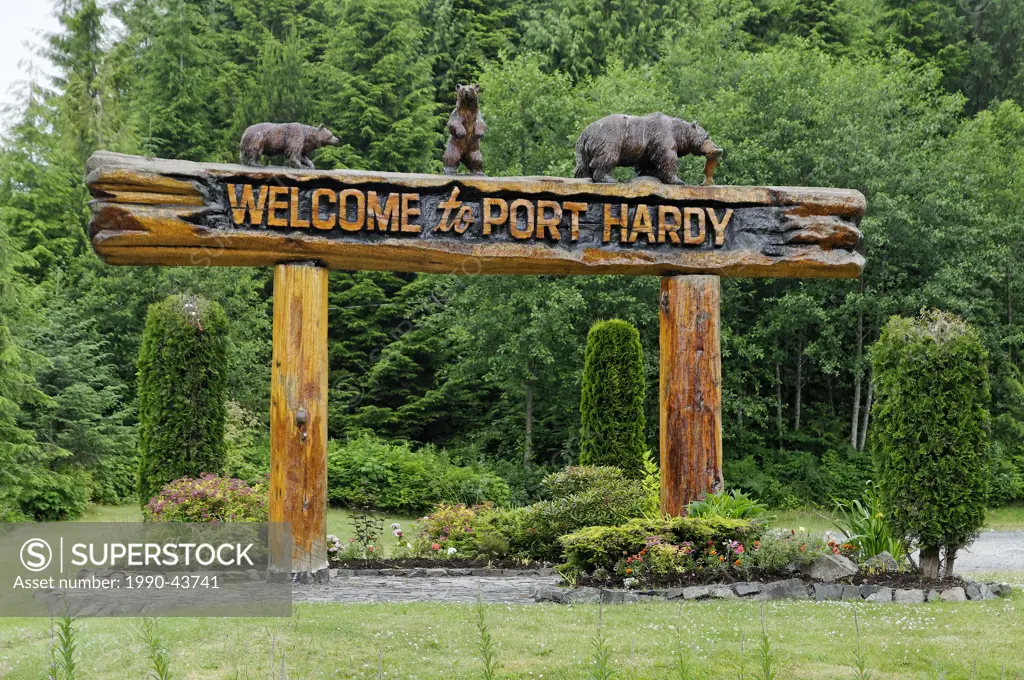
{"type": "Point", "coordinates": [439, 641]}
{"type": "Point", "coordinates": [1010, 518]}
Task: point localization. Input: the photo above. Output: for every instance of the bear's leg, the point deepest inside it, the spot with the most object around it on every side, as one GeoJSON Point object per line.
{"type": "Point", "coordinates": [452, 158]}
{"type": "Point", "coordinates": [293, 154]}
{"type": "Point", "coordinates": [306, 163]}
{"type": "Point", "coordinates": [667, 170]}
{"type": "Point", "coordinates": [475, 162]}
{"type": "Point", "coordinates": [249, 155]}
{"type": "Point", "coordinates": [603, 174]}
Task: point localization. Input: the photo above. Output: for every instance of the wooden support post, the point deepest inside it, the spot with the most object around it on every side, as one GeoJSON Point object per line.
{"type": "Point", "coordinates": [298, 415]}
{"type": "Point", "coordinates": [691, 390]}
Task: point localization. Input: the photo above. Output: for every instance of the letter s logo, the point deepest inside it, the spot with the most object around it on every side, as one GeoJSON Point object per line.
{"type": "Point", "coordinates": [36, 554]}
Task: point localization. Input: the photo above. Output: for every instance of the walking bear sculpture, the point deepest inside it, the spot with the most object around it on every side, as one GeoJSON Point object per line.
{"type": "Point", "coordinates": [294, 141]}
{"type": "Point", "coordinates": [465, 126]}
{"type": "Point", "coordinates": [650, 144]}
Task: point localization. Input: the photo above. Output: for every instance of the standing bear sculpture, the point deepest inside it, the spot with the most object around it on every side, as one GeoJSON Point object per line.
{"type": "Point", "coordinates": [465, 127]}
{"type": "Point", "coordinates": [650, 144]}
{"type": "Point", "coordinates": [294, 141]}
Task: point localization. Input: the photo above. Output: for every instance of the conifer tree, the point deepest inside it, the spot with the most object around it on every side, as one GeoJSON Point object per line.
{"type": "Point", "coordinates": [612, 403]}
{"type": "Point", "coordinates": [182, 391]}
{"type": "Point", "coordinates": [377, 89]}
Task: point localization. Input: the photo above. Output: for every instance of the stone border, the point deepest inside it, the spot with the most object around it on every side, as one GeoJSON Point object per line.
{"type": "Point", "coordinates": [422, 572]}
{"type": "Point", "coordinates": [790, 589]}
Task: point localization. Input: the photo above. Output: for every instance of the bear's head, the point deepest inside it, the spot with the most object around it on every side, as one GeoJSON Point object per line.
{"type": "Point", "coordinates": [691, 138]}
{"type": "Point", "coordinates": [467, 95]}
{"type": "Point", "coordinates": [326, 137]}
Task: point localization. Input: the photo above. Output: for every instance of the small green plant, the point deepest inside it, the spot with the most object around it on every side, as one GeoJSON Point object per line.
{"type": "Point", "coordinates": [865, 526]}
{"type": "Point", "coordinates": [652, 486]}
{"type": "Point", "coordinates": [485, 643]}
{"type": "Point", "coordinates": [368, 527]}
{"type": "Point", "coordinates": [682, 667]}
{"type": "Point", "coordinates": [156, 653]}
{"type": "Point", "coordinates": [63, 649]}
{"type": "Point", "coordinates": [600, 667]}
{"type": "Point", "coordinates": [733, 504]}
{"type": "Point", "coordinates": [492, 546]}
{"type": "Point", "coordinates": [765, 654]}
{"type": "Point", "coordinates": [861, 671]}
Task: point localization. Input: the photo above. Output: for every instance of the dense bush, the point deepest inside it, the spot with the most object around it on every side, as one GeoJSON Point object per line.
{"type": "Point", "coordinates": [208, 499]}
{"type": "Point", "coordinates": [929, 432]}
{"type": "Point", "coordinates": [182, 381]}
{"type": "Point", "coordinates": [603, 546]}
{"type": "Point", "coordinates": [578, 478]}
{"type": "Point", "coordinates": [398, 479]}
{"type": "Point", "coordinates": [51, 495]}
{"type": "Point", "coordinates": [612, 401]}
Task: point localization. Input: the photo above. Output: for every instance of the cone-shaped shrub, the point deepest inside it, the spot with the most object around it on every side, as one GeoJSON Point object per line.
{"type": "Point", "coordinates": [612, 404]}
{"type": "Point", "coordinates": [182, 385]}
{"type": "Point", "coordinates": [929, 432]}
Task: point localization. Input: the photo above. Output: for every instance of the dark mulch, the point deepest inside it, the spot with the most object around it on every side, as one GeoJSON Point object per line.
{"type": "Point", "coordinates": [902, 580]}
{"type": "Point", "coordinates": [426, 563]}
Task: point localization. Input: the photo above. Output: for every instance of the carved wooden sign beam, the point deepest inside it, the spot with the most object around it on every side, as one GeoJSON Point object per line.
{"type": "Point", "coordinates": [161, 212]}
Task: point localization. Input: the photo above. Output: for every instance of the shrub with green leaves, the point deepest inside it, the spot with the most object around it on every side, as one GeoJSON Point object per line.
{"type": "Point", "coordinates": [602, 547]}
{"type": "Point", "coordinates": [396, 478]}
{"type": "Point", "coordinates": [208, 499]}
{"type": "Point", "coordinates": [929, 432]}
{"type": "Point", "coordinates": [182, 384]}
{"type": "Point", "coordinates": [578, 478]}
{"type": "Point", "coordinates": [612, 401]}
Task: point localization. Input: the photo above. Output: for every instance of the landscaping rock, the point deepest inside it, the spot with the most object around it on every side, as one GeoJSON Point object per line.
{"type": "Point", "coordinates": [367, 572]}
{"type": "Point", "coordinates": [434, 573]}
{"type": "Point", "coordinates": [867, 591]}
{"type": "Point", "coordinates": [908, 596]}
{"type": "Point", "coordinates": [485, 572]}
{"type": "Point", "coordinates": [254, 575]}
{"type": "Point", "coordinates": [1000, 589]}
{"type": "Point", "coordinates": [880, 595]}
{"type": "Point", "coordinates": [394, 572]}
{"type": "Point", "coordinates": [546, 571]}
{"type": "Point", "coordinates": [696, 592]}
{"type": "Point", "coordinates": [584, 595]}
{"type": "Point", "coordinates": [671, 593]}
{"type": "Point", "coordinates": [618, 597]}
{"type": "Point", "coordinates": [932, 596]}
{"type": "Point", "coordinates": [721, 592]}
{"type": "Point", "coordinates": [549, 594]}
{"type": "Point", "coordinates": [978, 591]}
{"type": "Point", "coordinates": [954, 595]}
{"type": "Point", "coordinates": [851, 593]}
{"type": "Point", "coordinates": [417, 573]}
{"type": "Point", "coordinates": [747, 588]}
{"type": "Point", "coordinates": [831, 568]}
{"type": "Point", "coordinates": [343, 573]}
{"type": "Point", "coordinates": [458, 572]}
{"type": "Point", "coordinates": [883, 561]}
{"type": "Point", "coordinates": [827, 591]}
{"type": "Point", "coordinates": [790, 589]}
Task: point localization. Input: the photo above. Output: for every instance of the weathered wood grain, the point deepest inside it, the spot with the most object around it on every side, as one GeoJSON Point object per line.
{"type": "Point", "coordinates": [691, 390]}
{"type": "Point", "coordinates": [159, 212]}
{"type": "Point", "coordinates": [298, 413]}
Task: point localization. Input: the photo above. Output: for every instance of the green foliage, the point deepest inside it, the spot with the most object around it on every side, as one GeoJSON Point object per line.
{"type": "Point", "coordinates": [733, 504]}
{"type": "Point", "coordinates": [182, 388]}
{"type": "Point", "coordinates": [576, 479]}
{"type": "Point", "coordinates": [866, 527]}
{"type": "Point", "coordinates": [397, 478]}
{"type": "Point", "coordinates": [930, 441]}
{"type": "Point", "coordinates": [598, 547]}
{"type": "Point", "coordinates": [208, 499]}
{"type": "Point", "coordinates": [612, 402]}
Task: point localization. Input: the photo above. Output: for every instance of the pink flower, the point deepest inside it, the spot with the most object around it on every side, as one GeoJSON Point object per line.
{"type": "Point", "coordinates": [435, 547]}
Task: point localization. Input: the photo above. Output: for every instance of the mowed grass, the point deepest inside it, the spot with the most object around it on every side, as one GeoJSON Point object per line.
{"type": "Point", "coordinates": [817, 521]}
{"type": "Point", "coordinates": [439, 641]}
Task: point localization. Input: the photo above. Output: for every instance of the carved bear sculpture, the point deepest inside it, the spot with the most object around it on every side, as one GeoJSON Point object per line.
{"type": "Point", "coordinates": [650, 144]}
{"type": "Point", "coordinates": [465, 127]}
{"type": "Point", "coordinates": [294, 141]}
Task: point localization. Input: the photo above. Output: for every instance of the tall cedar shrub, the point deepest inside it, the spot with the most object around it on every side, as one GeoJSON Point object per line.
{"type": "Point", "coordinates": [929, 432]}
{"type": "Point", "coordinates": [183, 372]}
{"type": "Point", "coordinates": [612, 404]}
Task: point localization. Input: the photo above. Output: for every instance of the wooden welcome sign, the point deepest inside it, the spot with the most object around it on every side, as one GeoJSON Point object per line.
{"type": "Point", "coordinates": [162, 212]}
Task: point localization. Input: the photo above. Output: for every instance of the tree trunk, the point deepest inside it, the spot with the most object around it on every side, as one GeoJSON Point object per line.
{"type": "Point", "coordinates": [950, 561]}
{"type": "Point", "coordinates": [930, 562]}
{"type": "Point", "coordinates": [867, 413]}
{"type": "Point", "coordinates": [528, 444]}
{"type": "Point", "coordinates": [778, 400]}
{"type": "Point", "coordinates": [857, 377]}
{"type": "Point", "coordinates": [799, 383]}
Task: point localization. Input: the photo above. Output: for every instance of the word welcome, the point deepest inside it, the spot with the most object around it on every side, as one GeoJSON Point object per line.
{"type": "Point", "coordinates": [355, 210]}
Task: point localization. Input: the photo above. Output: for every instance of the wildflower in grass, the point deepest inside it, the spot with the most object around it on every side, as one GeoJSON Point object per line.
{"type": "Point", "coordinates": [396, 526]}
{"type": "Point", "coordinates": [452, 551]}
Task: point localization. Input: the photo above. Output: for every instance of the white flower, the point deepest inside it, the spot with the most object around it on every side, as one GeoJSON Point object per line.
{"type": "Point", "coordinates": [630, 582]}
{"type": "Point", "coordinates": [395, 526]}
{"type": "Point", "coordinates": [409, 546]}
{"type": "Point", "coordinates": [801, 529]}
{"type": "Point", "coordinates": [452, 551]}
